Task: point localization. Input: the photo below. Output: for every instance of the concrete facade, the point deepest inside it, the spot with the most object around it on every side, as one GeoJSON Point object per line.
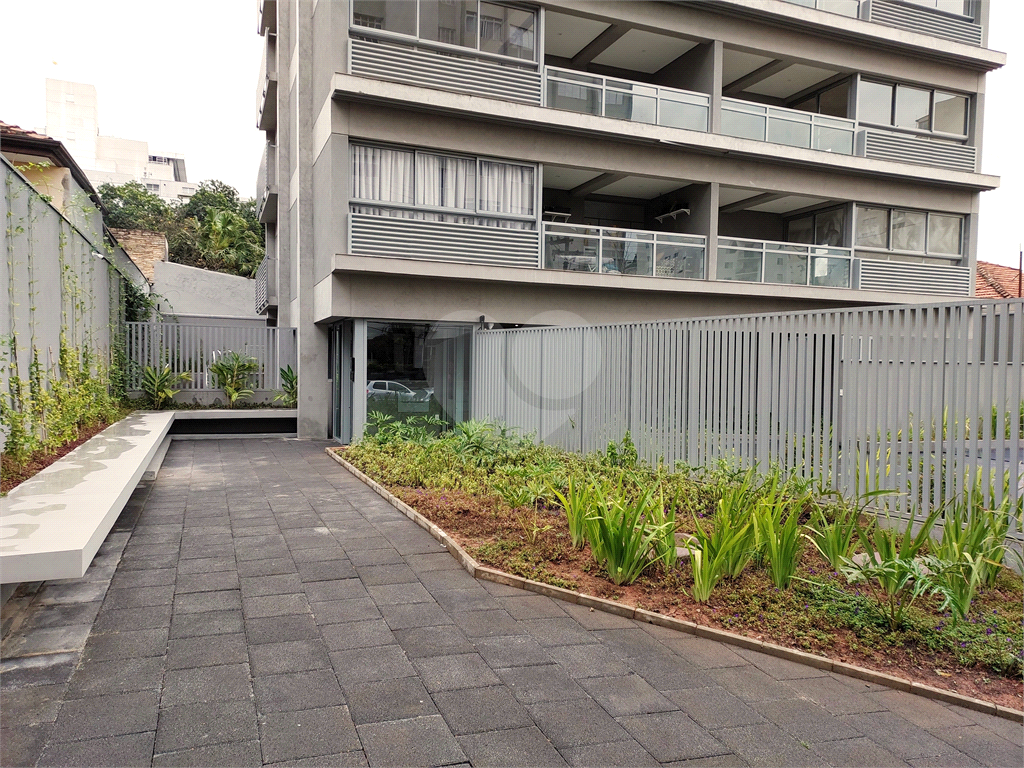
{"type": "Point", "coordinates": [190, 291]}
{"type": "Point", "coordinates": [339, 76]}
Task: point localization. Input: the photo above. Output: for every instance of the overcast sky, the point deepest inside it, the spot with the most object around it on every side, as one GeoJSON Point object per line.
{"type": "Point", "coordinates": [182, 76]}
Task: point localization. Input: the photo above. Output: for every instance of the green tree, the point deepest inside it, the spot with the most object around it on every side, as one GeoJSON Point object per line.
{"type": "Point", "coordinates": [132, 206]}
{"type": "Point", "coordinates": [226, 241]}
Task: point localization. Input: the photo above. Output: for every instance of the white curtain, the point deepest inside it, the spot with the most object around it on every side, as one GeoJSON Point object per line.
{"type": "Point", "coordinates": [446, 182]}
{"type": "Point", "coordinates": [506, 188]}
{"type": "Point", "coordinates": [382, 174]}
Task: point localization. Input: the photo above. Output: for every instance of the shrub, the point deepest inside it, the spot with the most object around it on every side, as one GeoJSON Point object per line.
{"type": "Point", "coordinates": [619, 535]}
{"type": "Point", "coordinates": [233, 373]}
{"type": "Point", "coordinates": [158, 384]}
{"type": "Point", "coordinates": [289, 394]}
{"type": "Point", "coordinates": [577, 501]}
{"type": "Point", "coordinates": [780, 541]}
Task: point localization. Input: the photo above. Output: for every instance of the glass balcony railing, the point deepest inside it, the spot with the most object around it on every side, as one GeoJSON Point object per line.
{"type": "Point", "coordinates": [778, 125]}
{"type": "Point", "coordinates": [766, 261]}
{"type": "Point", "coordinates": [623, 251]}
{"type": "Point", "coordinates": [626, 99]}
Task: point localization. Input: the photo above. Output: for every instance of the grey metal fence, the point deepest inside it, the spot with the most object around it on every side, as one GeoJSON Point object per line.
{"type": "Point", "coordinates": [924, 400]}
{"type": "Point", "coordinates": [192, 348]}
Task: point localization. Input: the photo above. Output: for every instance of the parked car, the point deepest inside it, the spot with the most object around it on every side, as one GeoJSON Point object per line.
{"type": "Point", "coordinates": [383, 389]}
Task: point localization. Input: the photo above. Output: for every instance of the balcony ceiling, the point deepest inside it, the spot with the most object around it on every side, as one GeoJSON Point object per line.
{"type": "Point", "coordinates": [736, 64]}
{"type": "Point", "coordinates": [630, 49]}
{"type": "Point", "coordinates": [641, 187]}
{"type": "Point", "coordinates": [788, 204]}
{"type": "Point", "coordinates": [643, 51]}
{"type": "Point", "coordinates": [729, 195]}
{"type": "Point", "coordinates": [636, 187]}
{"type": "Point", "coordinates": [757, 75]}
{"type": "Point", "coordinates": [763, 201]}
{"type": "Point", "coordinates": [558, 177]}
{"type": "Point", "coordinates": [568, 35]}
{"type": "Point", "coordinates": [793, 79]}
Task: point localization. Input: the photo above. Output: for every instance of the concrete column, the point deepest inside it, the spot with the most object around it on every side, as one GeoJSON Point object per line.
{"type": "Point", "coordinates": [359, 378]}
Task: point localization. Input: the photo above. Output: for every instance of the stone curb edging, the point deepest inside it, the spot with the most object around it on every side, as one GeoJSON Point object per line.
{"type": "Point", "coordinates": [639, 614]}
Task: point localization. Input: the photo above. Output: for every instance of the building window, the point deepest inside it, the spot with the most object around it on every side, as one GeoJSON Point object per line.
{"type": "Point", "coordinates": [918, 110]}
{"type": "Point", "coordinates": [910, 232]}
{"type": "Point", "coordinates": [152, 187]}
{"type": "Point", "coordinates": [819, 228]}
{"type": "Point", "coordinates": [437, 187]}
{"type": "Point", "coordinates": [832, 101]}
{"type": "Point", "coordinates": [480, 26]}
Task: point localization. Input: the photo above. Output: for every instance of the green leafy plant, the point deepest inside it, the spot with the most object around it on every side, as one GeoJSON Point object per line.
{"type": "Point", "coordinates": [621, 535]}
{"type": "Point", "coordinates": [834, 532]}
{"type": "Point", "coordinates": [663, 520]}
{"type": "Point", "coordinates": [709, 562]}
{"type": "Point", "coordinates": [780, 541]}
{"type": "Point", "coordinates": [289, 394]}
{"type": "Point", "coordinates": [233, 373]}
{"type": "Point", "coordinates": [577, 502]}
{"type": "Point", "coordinates": [158, 384]}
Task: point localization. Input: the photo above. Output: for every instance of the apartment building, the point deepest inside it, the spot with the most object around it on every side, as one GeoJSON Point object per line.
{"type": "Point", "coordinates": [434, 166]}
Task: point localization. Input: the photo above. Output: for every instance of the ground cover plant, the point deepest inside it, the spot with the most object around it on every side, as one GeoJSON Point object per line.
{"type": "Point", "coordinates": [768, 555]}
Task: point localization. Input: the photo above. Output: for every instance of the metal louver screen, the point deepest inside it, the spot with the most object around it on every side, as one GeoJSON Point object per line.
{"type": "Point", "coordinates": [911, 149]}
{"type": "Point", "coordinates": [878, 275]}
{"type": "Point", "coordinates": [926, 21]}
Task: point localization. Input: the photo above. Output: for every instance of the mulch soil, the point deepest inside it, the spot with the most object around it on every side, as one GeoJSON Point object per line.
{"type": "Point", "coordinates": [14, 474]}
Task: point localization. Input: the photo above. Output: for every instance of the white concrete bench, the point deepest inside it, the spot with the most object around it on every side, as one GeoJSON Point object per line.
{"type": "Point", "coordinates": [52, 524]}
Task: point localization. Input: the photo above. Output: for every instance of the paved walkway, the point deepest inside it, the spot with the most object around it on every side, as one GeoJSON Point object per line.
{"type": "Point", "coordinates": [269, 609]}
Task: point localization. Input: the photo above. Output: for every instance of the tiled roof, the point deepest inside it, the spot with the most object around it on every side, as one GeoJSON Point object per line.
{"type": "Point", "coordinates": [995, 281]}
{"type": "Point", "coordinates": [6, 129]}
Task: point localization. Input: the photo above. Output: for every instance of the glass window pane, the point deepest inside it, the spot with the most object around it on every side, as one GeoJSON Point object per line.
{"type": "Point", "coordinates": [506, 188]}
{"type": "Point", "coordinates": [788, 132]}
{"type": "Point", "coordinates": [743, 124]}
{"type": "Point", "coordinates": [830, 271]}
{"type": "Point", "coordinates": [874, 103]}
{"type": "Point", "coordinates": [838, 140]}
{"type": "Point", "coordinates": [627, 257]}
{"type": "Point", "coordinates": [908, 229]}
{"type": "Point", "coordinates": [628, 106]}
{"type": "Point", "coordinates": [389, 15]}
{"type": "Point", "coordinates": [382, 174]}
{"type": "Point", "coordinates": [944, 233]}
{"type": "Point", "coordinates": [800, 230]}
{"type": "Point", "coordinates": [913, 106]}
{"type": "Point", "coordinates": [734, 264]}
{"type": "Point", "coordinates": [873, 227]}
{"type": "Point", "coordinates": [446, 182]}
{"type": "Point", "coordinates": [449, 21]}
{"type": "Point", "coordinates": [576, 98]}
{"type": "Point", "coordinates": [789, 268]}
{"type": "Point", "coordinates": [508, 31]}
{"type": "Point", "coordinates": [950, 113]}
{"type": "Point", "coordinates": [829, 227]}
{"type": "Point", "coordinates": [678, 260]}
{"type": "Point", "coordinates": [676, 114]}
{"type": "Point", "coordinates": [807, 105]}
{"type": "Point", "coordinates": [569, 252]}
{"type": "Point", "coordinates": [835, 100]}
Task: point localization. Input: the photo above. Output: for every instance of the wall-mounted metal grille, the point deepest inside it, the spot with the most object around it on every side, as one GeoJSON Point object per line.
{"type": "Point", "coordinates": [450, 72]}
{"type": "Point", "coordinates": [928, 21]}
{"type": "Point", "coordinates": [876, 275]}
{"type": "Point", "coordinates": [262, 289]}
{"type": "Point", "coordinates": [923, 400]}
{"type": "Point", "coordinates": [443, 241]}
{"type": "Point", "coordinates": [882, 145]}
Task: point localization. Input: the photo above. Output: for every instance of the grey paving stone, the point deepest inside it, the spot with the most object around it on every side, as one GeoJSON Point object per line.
{"type": "Point", "coordinates": [397, 699]}
{"type": "Point", "coordinates": [399, 594]}
{"type": "Point", "coordinates": [331, 554]}
{"type": "Point", "coordinates": [199, 725]}
{"type": "Point", "coordinates": [952, 760]}
{"type": "Point", "coordinates": [99, 678]}
{"type": "Point", "coordinates": [290, 656]}
{"type": "Point", "coordinates": [718, 761]}
{"type": "Point", "coordinates": [307, 733]}
{"type": "Point", "coordinates": [922, 712]}
{"type": "Point", "coordinates": [856, 753]}
{"type": "Point", "coordinates": [590, 660]}
{"type": "Point", "coordinates": [47, 640]}
{"type": "Point", "coordinates": [75, 591]}
{"type": "Point", "coordinates": [512, 651]}
{"type": "Point", "coordinates": [577, 724]}
{"type": "Point", "coordinates": [558, 631]}
{"type": "Point", "coordinates": [705, 654]}
{"type": "Point", "coordinates": [326, 570]}
{"type": "Point", "coordinates": [336, 589]}
{"type": "Point", "coordinates": [384, 556]}
{"type": "Point", "coordinates": [416, 741]}
{"type": "Point", "coordinates": [1008, 729]}
{"type": "Point", "coordinates": [534, 685]}
{"type": "Point", "coordinates": [357, 634]}
{"type": "Point", "coordinates": [208, 651]}
{"type": "Point", "coordinates": [525, 607]}
{"type": "Point", "coordinates": [145, 563]}
{"type": "Point", "coordinates": [229, 682]}
{"type": "Point", "coordinates": [134, 749]}
{"type": "Point", "coordinates": [341, 611]}
{"type": "Point", "coordinates": [356, 666]}
{"type": "Point", "coordinates": [433, 641]}
{"type": "Point", "coordinates": [475, 599]}
{"type": "Point", "coordinates": [751, 684]}
{"type": "Point", "coordinates": [626, 695]}
{"type": "Point", "coordinates": [201, 602]}
{"type": "Point", "coordinates": [99, 716]}
{"type": "Point", "coordinates": [767, 744]}
{"type": "Point", "coordinates": [47, 669]}
{"type": "Point", "coordinates": [434, 561]}
{"type": "Point", "coordinates": [806, 721]}
{"type": "Point", "coordinates": [982, 745]}
{"type": "Point", "coordinates": [714, 707]}
{"type": "Point", "coordinates": [211, 550]}
{"type": "Point", "coordinates": [274, 605]}
{"type": "Point", "coordinates": [204, 624]}
{"type": "Point", "coordinates": [839, 699]}
{"type": "Point", "coordinates": [23, 745]}
{"type": "Point", "coordinates": [267, 552]}
{"type": "Point", "coordinates": [450, 579]}
{"type": "Point", "coordinates": [474, 710]}
{"type": "Point", "coordinates": [126, 645]}
{"type": "Point", "coordinates": [206, 582]}
{"type": "Point", "coordinates": [631, 642]}
{"type": "Point", "coordinates": [149, 578]}
{"type": "Point", "coordinates": [448, 673]}
{"type": "Point", "coordinates": [376, 575]}
{"type": "Point", "coordinates": [668, 672]}
{"type": "Point", "coordinates": [279, 629]}
{"type": "Point", "coordinates": [238, 754]}
{"type": "Point", "coordinates": [30, 705]}
{"type": "Point", "coordinates": [898, 736]}
{"type": "Point", "coordinates": [487, 624]}
{"type": "Point", "coordinates": [414, 615]}
{"type": "Point", "coordinates": [619, 753]}
{"type": "Point", "coordinates": [518, 747]}
{"type": "Point", "coordinates": [270, 567]}
{"type": "Point", "coordinates": [150, 617]}
{"type": "Point", "coordinates": [298, 690]}
{"type": "Point", "coordinates": [780, 669]}
{"type": "Point", "coordinates": [61, 616]}
{"type": "Point", "coordinates": [207, 565]}
{"type": "Point", "coordinates": [671, 736]}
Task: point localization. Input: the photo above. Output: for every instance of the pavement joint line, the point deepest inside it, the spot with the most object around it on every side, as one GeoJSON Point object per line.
{"type": "Point", "coordinates": [639, 614]}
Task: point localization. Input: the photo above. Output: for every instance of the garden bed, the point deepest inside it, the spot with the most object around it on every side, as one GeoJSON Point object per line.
{"type": "Point", "coordinates": [455, 486]}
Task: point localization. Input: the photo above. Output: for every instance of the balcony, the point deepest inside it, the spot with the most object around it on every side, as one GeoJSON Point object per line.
{"type": "Point", "coordinates": [778, 125]}
{"type": "Point", "coordinates": [266, 87]}
{"type": "Point", "coordinates": [767, 261]}
{"type": "Point", "coordinates": [266, 16]}
{"type": "Point", "coordinates": [613, 251]}
{"type": "Point", "coordinates": [625, 99]}
{"type": "Point", "coordinates": [940, 18]}
{"type": "Point", "coordinates": [266, 186]}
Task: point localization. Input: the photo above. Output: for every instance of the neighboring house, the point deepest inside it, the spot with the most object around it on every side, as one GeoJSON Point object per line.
{"type": "Point", "coordinates": [144, 247]}
{"type": "Point", "coordinates": [995, 281]}
{"type": "Point", "coordinates": [435, 165]}
{"type": "Point", "coordinates": [192, 295]}
{"type": "Point", "coordinates": [72, 116]}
